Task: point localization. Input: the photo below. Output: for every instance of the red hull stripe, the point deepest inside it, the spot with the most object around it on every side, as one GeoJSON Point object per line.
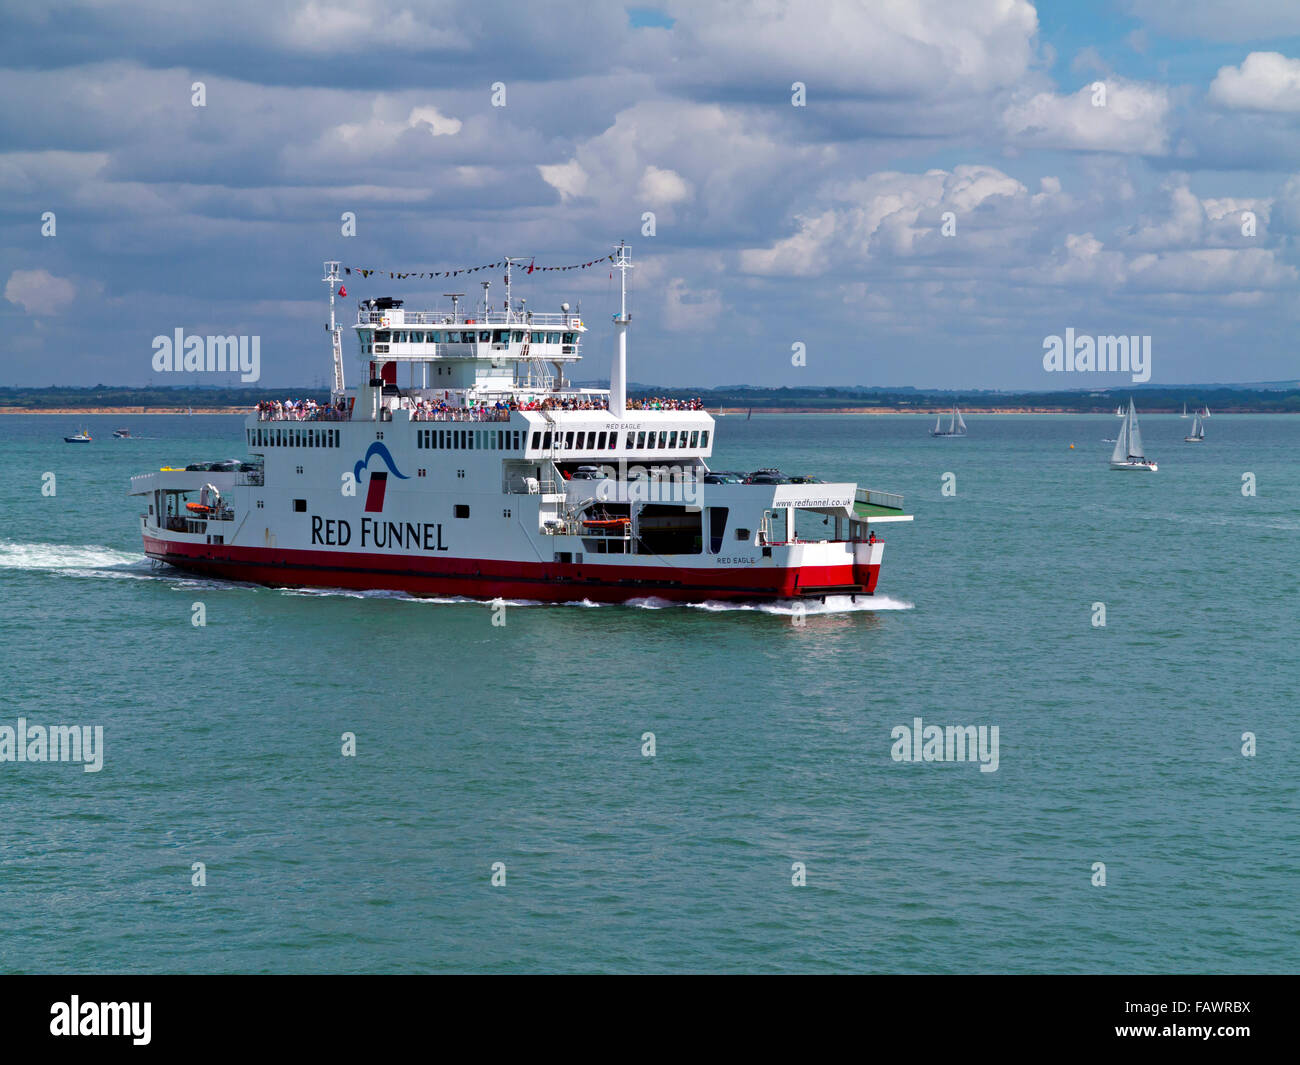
{"type": "Point", "coordinates": [490, 578]}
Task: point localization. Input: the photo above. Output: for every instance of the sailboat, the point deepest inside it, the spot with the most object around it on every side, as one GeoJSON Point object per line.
{"type": "Point", "coordinates": [1198, 430]}
{"type": "Point", "coordinates": [956, 425]}
{"type": "Point", "coordinates": [1184, 414]}
{"type": "Point", "coordinates": [1128, 447]}
{"type": "Point", "coordinates": [1119, 412]}
{"type": "Point", "coordinates": [1206, 413]}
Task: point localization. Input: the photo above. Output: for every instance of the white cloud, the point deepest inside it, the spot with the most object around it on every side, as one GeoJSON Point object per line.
{"type": "Point", "coordinates": [1265, 81]}
{"type": "Point", "coordinates": [568, 179]}
{"type": "Point", "coordinates": [1188, 222]}
{"type": "Point", "coordinates": [39, 292]}
{"type": "Point", "coordinates": [379, 132]}
{"type": "Point", "coordinates": [661, 188]}
{"type": "Point", "coordinates": [920, 49]}
{"type": "Point", "coordinates": [1133, 119]}
{"type": "Point", "coordinates": [899, 215]}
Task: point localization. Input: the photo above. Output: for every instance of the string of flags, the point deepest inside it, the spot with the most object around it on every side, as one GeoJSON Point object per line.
{"type": "Point", "coordinates": [402, 275]}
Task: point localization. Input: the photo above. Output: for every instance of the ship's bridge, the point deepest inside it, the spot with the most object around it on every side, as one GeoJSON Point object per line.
{"type": "Point", "coordinates": [491, 351]}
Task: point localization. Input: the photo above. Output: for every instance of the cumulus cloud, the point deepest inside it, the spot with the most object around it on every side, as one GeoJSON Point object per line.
{"type": "Point", "coordinates": [380, 133]}
{"type": "Point", "coordinates": [1187, 221]}
{"type": "Point", "coordinates": [1265, 81]}
{"type": "Point", "coordinates": [38, 292]}
{"type": "Point", "coordinates": [1133, 119]}
{"type": "Point", "coordinates": [897, 215]}
{"type": "Point", "coordinates": [661, 188]}
{"type": "Point", "coordinates": [922, 50]}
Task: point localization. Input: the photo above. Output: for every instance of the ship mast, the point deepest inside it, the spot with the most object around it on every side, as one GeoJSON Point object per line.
{"type": "Point", "coordinates": [331, 278]}
{"type": "Point", "coordinates": [618, 373]}
{"type": "Point", "coordinates": [510, 261]}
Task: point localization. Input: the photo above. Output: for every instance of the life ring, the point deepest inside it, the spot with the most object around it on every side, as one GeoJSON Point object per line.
{"type": "Point", "coordinates": [384, 323]}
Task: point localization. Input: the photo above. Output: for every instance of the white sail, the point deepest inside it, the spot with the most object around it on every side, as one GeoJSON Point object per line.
{"type": "Point", "coordinates": [936, 424]}
{"type": "Point", "coordinates": [961, 423]}
{"type": "Point", "coordinates": [1134, 433]}
{"type": "Point", "coordinates": [1121, 444]}
{"type": "Point", "coordinates": [1184, 414]}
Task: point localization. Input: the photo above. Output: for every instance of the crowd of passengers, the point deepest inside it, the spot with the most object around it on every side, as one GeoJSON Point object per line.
{"type": "Point", "coordinates": [450, 409]}
{"type": "Point", "coordinates": [301, 410]}
{"type": "Point", "coordinates": [661, 403]}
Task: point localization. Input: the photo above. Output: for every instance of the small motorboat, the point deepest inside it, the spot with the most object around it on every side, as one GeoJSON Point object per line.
{"type": "Point", "coordinates": [122, 434]}
{"type": "Point", "coordinates": [82, 437]}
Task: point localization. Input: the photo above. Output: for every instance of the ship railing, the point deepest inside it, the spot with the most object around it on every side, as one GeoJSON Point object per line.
{"type": "Point", "coordinates": [880, 499]}
{"type": "Point", "coordinates": [319, 414]}
{"type": "Point", "coordinates": [251, 479]}
{"type": "Point", "coordinates": [528, 320]}
{"type": "Point", "coordinates": [461, 414]}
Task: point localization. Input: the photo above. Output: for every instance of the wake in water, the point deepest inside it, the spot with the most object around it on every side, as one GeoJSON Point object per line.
{"type": "Point", "coordinates": [66, 557]}
{"type": "Point", "coordinates": [834, 604]}
{"type": "Point", "coordinates": [92, 561]}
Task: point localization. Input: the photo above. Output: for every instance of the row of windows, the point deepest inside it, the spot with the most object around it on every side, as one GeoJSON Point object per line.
{"type": "Point", "coordinates": [665, 439]}
{"type": "Point", "coordinates": [470, 439]}
{"type": "Point", "coordinates": [283, 436]}
{"type": "Point", "coordinates": [470, 336]}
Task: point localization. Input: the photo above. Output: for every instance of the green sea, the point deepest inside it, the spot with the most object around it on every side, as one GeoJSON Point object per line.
{"type": "Point", "coordinates": [772, 829]}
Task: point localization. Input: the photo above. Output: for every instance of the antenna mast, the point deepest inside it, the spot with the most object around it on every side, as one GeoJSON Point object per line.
{"type": "Point", "coordinates": [618, 373]}
{"type": "Point", "coordinates": [331, 278]}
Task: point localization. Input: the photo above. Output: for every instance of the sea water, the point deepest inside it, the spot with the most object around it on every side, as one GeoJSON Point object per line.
{"type": "Point", "coordinates": [501, 812]}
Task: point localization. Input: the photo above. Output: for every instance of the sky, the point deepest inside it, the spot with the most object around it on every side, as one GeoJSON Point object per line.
{"type": "Point", "coordinates": [879, 193]}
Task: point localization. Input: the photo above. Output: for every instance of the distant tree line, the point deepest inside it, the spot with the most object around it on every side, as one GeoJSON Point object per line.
{"type": "Point", "coordinates": [1220, 399]}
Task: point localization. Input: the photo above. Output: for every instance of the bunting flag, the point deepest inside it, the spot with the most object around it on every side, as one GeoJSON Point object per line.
{"type": "Point", "coordinates": [402, 275]}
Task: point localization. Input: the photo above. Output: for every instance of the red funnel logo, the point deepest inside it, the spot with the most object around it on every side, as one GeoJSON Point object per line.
{"type": "Point", "coordinates": [375, 492]}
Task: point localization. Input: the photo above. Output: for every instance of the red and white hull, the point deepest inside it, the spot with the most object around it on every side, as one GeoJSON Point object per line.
{"type": "Point", "coordinates": [494, 579]}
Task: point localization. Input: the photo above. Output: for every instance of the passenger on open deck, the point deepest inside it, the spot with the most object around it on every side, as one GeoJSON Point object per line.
{"type": "Point", "coordinates": [302, 410]}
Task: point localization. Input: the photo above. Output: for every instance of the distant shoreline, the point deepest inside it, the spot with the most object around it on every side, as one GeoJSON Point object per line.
{"type": "Point", "coordinates": [729, 413]}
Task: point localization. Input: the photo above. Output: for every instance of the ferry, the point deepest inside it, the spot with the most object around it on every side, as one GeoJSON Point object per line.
{"type": "Point", "coordinates": [464, 462]}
